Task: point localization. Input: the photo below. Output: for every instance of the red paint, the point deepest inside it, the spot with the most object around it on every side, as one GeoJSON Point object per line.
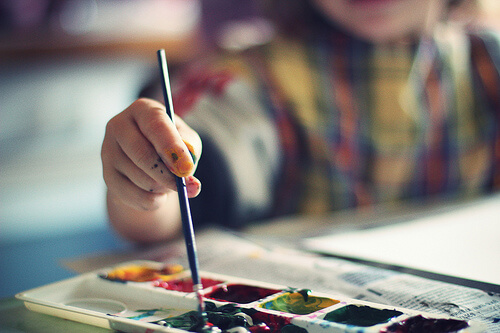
{"type": "Point", "coordinates": [184, 285]}
{"type": "Point", "coordinates": [273, 322]}
{"type": "Point", "coordinates": [429, 325]}
{"type": "Point", "coordinates": [240, 293]}
{"type": "Point", "coordinates": [259, 328]}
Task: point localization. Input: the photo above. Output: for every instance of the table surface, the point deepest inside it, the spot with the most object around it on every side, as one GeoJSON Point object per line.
{"type": "Point", "coordinates": [33, 263]}
{"type": "Point", "coordinates": [29, 264]}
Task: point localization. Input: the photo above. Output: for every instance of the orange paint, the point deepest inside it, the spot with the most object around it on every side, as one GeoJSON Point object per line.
{"type": "Point", "coordinates": [138, 273]}
{"type": "Point", "coordinates": [191, 150]}
{"type": "Point", "coordinates": [182, 165]}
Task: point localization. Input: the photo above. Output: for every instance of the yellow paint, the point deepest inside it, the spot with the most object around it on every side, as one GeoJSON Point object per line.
{"type": "Point", "coordinates": [296, 303]}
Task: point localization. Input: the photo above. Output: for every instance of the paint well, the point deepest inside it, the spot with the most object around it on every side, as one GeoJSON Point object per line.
{"type": "Point", "coordinates": [361, 315]}
{"type": "Point", "coordinates": [184, 285]}
{"type": "Point", "coordinates": [299, 303]}
{"type": "Point", "coordinates": [273, 322]}
{"type": "Point", "coordinates": [428, 325]}
{"type": "Point", "coordinates": [140, 273]}
{"type": "Point", "coordinates": [240, 293]}
{"type": "Point", "coordinates": [225, 317]}
{"type": "Point", "coordinates": [98, 304]}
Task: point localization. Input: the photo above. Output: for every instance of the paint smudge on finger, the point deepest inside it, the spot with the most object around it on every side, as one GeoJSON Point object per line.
{"type": "Point", "coordinates": [180, 164]}
{"type": "Point", "coordinates": [191, 151]}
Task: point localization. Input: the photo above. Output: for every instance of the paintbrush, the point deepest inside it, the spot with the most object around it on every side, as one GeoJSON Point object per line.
{"type": "Point", "coordinates": [187, 223]}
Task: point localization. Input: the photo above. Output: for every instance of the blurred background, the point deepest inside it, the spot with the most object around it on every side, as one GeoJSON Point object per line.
{"type": "Point", "coordinates": [67, 67]}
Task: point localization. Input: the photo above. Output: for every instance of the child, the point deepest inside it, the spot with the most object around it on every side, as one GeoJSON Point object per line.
{"type": "Point", "coordinates": [355, 102]}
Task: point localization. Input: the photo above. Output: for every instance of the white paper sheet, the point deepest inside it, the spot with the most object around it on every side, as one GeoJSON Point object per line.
{"type": "Point", "coordinates": [463, 242]}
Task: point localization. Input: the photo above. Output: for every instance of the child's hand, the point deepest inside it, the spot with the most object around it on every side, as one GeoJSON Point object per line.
{"type": "Point", "coordinates": [141, 151]}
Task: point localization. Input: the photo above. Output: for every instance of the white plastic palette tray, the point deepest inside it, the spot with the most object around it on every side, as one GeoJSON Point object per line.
{"type": "Point", "coordinates": [124, 298]}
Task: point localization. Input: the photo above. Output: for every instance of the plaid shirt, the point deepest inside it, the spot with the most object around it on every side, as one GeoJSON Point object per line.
{"type": "Point", "coordinates": [351, 124]}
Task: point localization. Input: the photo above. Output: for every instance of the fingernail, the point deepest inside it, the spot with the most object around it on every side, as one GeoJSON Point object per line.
{"type": "Point", "coordinates": [193, 186]}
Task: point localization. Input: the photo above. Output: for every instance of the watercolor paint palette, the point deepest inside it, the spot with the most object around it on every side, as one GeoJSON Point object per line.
{"type": "Point", "coordinates": [144, 296]}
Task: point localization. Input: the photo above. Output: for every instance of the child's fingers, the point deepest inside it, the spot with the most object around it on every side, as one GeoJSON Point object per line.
{"type": "Point", "coordinates": [126, 181]}
{"type": "Point", "coordinates": [160, 131]}
{"type": "Point", "coordinates": [133, 196]}
{"type": "Point", "coordinates": [141, 150]}
{"type": "Point", "coordinates": [191, 139]}
{"type": "Point", "coordinates": [141, 178]}
{"type": "Point", "coordinates": [193, 186]}
{"type": "Point", "coordinates": [123, 137]}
